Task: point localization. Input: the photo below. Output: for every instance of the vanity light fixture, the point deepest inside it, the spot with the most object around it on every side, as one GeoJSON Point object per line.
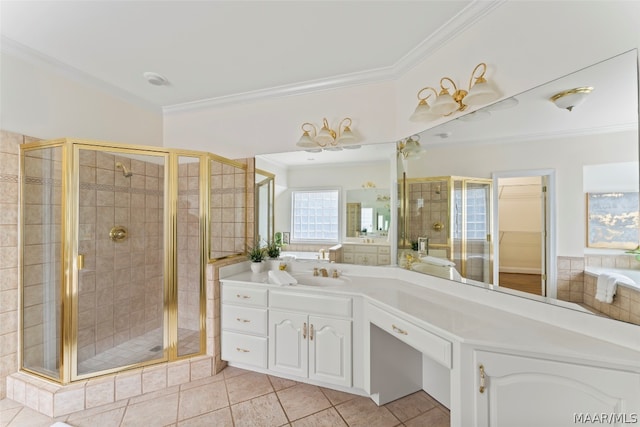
{"type": "Point", "coordinates": [569, 99]}
{"type": "Point", "coordinates": [409, 146]}
{"type": "Point", "coordinates": [480, 92]}
{"type": "Point", "coordinates": [326, 138]}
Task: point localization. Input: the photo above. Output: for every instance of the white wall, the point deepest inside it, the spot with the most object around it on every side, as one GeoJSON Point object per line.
{"type": "Point", "coordinates": [39, 102]}
{"type": "Point", "coordinates": [274, 125]}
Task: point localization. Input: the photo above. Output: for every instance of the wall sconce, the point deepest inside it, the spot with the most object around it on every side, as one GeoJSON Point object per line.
{"type": "Point", "coordinates": [569, 99]}
{"type": "Point", "coordinates": [327, 138]}
{"type": "Point", "coordinates": [409, 146]}
{"type": "Point", "coordinates": [480, 93]}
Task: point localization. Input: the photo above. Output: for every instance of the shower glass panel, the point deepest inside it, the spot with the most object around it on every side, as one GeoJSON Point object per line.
{"type": "Point", "coordinates": [41, 199]}
{"type": "Point", "coordinates": [473, 221]}
{"type": "Point", "coordinates": [189, 255]}
{"type": "Point", "coordinates": [120, 306]}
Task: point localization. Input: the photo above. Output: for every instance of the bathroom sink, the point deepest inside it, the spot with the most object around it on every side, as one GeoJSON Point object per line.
{"type": "Point", "coordinates": [308, 279]}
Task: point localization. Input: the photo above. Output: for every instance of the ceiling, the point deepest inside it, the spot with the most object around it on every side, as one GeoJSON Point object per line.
{"type": "Point", "coordinates": [217, 50]}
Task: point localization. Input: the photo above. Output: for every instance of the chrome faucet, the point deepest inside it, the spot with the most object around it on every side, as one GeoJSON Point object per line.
{"type": "Point", "coordinates": [324, 273]}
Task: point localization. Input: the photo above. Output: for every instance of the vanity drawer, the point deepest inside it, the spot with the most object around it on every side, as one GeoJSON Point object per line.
{"type": "Point", "coordinates": [384, 260]}
{"type": "Point", "coordinates": [427, 343]}
{"type": "Point", "coordinates": [244, 295]}
{"type": "Point", "coordinates": [348, 258]}
{"type": "Point", "coordinates": [384, 250]}
{"type": "Point", "coordinates": [311, 304]}
{"type": "Point", "coordinates": [244, 319]}
{"type": "Point", "coordinates": [245, 349]}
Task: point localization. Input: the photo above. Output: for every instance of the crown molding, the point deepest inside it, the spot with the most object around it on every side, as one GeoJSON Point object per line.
{"type": "Point", "coordinates": [464, 19]}
{"type": "Point", "coordinates": [476, 10]}
{"type": "Point", "coordinates": [11, 47]}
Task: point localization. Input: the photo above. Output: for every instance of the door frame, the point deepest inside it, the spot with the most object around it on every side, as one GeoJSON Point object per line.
{"type": "Point", "coordinates": [550, 238]}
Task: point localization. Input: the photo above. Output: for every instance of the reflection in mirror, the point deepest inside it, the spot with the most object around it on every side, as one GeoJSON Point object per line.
{"type": "Point", "coordinates": [368, 212]}
{"type": "Point", "coordinates": [264, 199]}
{"type": "Point", "coordinates": [538, 162]}
{"type": "Point", "coordinates": [362, 178]}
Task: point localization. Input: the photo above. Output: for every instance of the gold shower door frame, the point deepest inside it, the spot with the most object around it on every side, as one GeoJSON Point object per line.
{"type": "Point", "coordinates": [72, 261]}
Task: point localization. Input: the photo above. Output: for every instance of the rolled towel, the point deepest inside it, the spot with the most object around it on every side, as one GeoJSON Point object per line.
{"type": "Point", "coordinates": [281, 277]}
{"type": "Point", "coordinates": [442, 262]}
{"type": "Point", "coordinates": [607, 285]}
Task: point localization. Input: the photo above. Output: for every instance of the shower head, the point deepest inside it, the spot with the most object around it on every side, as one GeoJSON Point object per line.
{"type": "Point", "coordinates": [127, 173]}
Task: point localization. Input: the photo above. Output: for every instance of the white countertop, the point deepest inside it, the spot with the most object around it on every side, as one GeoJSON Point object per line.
{"type": "Point", "coordinates": [416, 297]}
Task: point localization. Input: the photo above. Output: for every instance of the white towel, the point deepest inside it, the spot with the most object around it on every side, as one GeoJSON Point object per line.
{"type": "Point", "coordinates": [606, 286]}
{"type": "Point", "coordinates": [442, 262]}
{"type": "Point", "coordinates": [281, 277]}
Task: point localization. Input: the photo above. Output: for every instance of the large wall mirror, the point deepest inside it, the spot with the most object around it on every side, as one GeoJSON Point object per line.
{"type": "Point", "coordinates": [534, 199]}
{"type": "Point", "coordinates": [362, 178]}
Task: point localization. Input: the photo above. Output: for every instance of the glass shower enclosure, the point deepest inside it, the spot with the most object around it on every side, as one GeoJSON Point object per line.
{"type": "Point", "coordinates": [113, 259]}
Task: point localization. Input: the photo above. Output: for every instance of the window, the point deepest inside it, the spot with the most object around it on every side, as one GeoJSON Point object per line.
{"type": "Point", "coordinates": [612, 220]}
{"type": "Point", "coordinates": [314, 215]}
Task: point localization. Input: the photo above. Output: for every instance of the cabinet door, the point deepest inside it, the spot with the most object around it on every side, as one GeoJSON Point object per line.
{"type": "Point", "coordinates": [330, 350]}
{"type": "Point", "coordinates": [523, 391]}
{"type": "Point", "coordinates": [288, 350]}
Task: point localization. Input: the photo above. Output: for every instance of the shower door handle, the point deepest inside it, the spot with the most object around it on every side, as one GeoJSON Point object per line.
{"type": "Point", "coordinates": [80, 262]}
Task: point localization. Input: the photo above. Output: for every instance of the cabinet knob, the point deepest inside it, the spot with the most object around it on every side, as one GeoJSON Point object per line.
{"type": "Point", "coordinates": [243, 320]}
{"type": "Point", "coordinates": [304, 330]}
{"type": "Point", "coordinates": [482, 379]}
{"type": "Point", "coordinates": [242, 350]}
{"type": "Point", "coordinates": [242, 296]}
{"type": "Point", "coordinates": [311, 332]}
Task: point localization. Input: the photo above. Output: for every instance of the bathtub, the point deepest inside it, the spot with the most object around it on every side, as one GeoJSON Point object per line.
{"type": "Point", "coordinates": [633, 276]}
{"type": "Point", "coordinates": [301, 256]}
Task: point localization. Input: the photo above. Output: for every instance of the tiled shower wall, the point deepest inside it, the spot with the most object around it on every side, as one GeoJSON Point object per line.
{"type": "Point", "coordinates": [42, 258]}
{"type": "Point", "coordinates": [427, 205]}
{"type": "Point", "coordinates": [9, 320]}
{"type": "Point", "coordinates": [231, 209]}
{"type": "Point", "coordinates": [121, 286]}
{"type": "Point", "coordinates": [188, 244]}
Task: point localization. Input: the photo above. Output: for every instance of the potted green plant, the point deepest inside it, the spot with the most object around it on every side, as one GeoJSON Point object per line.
{"type": "Point", "coordinates": [256, 255]}
{"type": "Point", "coordinates": [273, 250]}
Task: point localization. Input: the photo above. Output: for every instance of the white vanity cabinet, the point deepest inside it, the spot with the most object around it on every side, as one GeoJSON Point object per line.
{"type": "Point", "coordinates": [310, 337]}
{"type": "Point", "coordinates": [366, 254]}
{"type": "Point", "coordinates": [512, 390]}
{"type": "Point", "coordinates": [244, 325]}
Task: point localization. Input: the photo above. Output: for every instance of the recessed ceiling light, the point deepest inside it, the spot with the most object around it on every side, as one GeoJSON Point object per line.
{"type": "Point", "coordinates": [156, 79]}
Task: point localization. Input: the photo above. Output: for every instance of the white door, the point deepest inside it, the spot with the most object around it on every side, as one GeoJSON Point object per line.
{"type": "Point", "coordinates": [330, 350]}
{"type": "Point", "coordinates": [288, 349]}
{"type": "Point", "coordinates": [523, 392]}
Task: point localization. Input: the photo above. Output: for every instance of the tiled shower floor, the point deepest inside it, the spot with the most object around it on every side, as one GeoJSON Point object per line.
{"type": "Point", "coordinates": [140, 349]}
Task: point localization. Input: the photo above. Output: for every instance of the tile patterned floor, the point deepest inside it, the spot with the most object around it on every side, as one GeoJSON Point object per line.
{"type": "Point", "coordinates": [239, 398]}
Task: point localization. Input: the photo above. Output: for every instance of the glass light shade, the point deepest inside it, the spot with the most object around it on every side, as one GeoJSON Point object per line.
{"type": "Point", "coordinates": [481, 93]}
{"type": "Point", "coordinates": [571, 100]}
{"type": "Point", "coordinates": [423, 113]}
{"type": "Point", "coordinates": [305, 141]}
{"type": "Point", "coordinates": [324, 137]}
{"type": "Point", "coordinates": [444, 105]}
{"type": "Point", "coordinates": [412, 147]}
{"type": "Point", "coordinates": [347, 136]}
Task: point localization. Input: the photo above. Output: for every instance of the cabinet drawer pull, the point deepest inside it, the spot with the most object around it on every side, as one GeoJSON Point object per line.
{"type": "Point", "coordinates": [304, 330]}
{"type": "Point", "coordinates": [243, 296]}
{"type": "Point", "coordinates": [243, 320]}
{"type": "Point", "coordinates": [398, 330]}
{"type": "Point", "coordinates": [242, 350]}
{"type": "Point", "coordinates": [482, 378]}
{"type": "Point", "coordinates": [311, 332]}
